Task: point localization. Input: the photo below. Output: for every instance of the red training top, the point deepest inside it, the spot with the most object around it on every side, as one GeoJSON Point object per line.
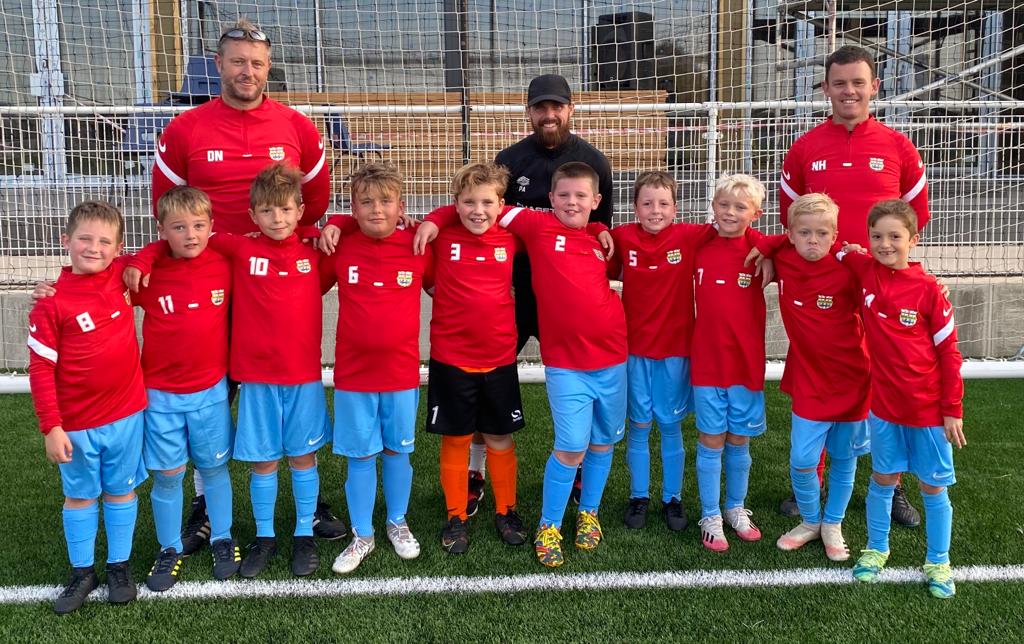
{"type": "Point", "coordinates": [915, 363]}
{"type": "Point", "coordinates": [220, 150]}
{"type": "Point", "coordinates": [84, 358]}
{"type": "Point", "coordinates": [857, 169]}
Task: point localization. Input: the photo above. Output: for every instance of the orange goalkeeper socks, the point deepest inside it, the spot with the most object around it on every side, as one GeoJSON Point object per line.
{"type": "Point", "coordinates": [503, 467]}
{"type": "Point", "coordinates": [455, 473]}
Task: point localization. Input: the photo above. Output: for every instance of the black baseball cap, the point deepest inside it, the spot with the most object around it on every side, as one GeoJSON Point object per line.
{"type": "Point", "coordinates": [549, 87]}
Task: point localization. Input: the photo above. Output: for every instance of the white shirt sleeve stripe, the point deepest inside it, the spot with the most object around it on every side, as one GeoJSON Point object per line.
{"type": "Point", "coordinates": [509, 216]}
{"type": "Point", "coordinates": [916, 190]}
{"type": "Point", "coordinates": [170, 174]}
{"type": "Point", "coordinates": [41, 349]}
{"type": "Point", "coordinates": [316, 169]}
{"type": "Point", "coordinates": [944, 332]}
{"type": "Point", "coordinates": [789, 191]}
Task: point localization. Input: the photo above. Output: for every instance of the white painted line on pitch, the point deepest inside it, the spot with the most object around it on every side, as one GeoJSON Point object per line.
{"type": "Point", "coordinates": [396, 586]}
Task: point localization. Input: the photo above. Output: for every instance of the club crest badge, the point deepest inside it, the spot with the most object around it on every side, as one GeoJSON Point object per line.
{"type": "Point", "coordinates": [217, 296]}
{"type": "Point", "coordinates": [908, 317]}
{"type": "Point", "coordinates": [674, 256]}
{"type": "Point", "coordinates": [744, 279]}
{"type": "Point", "coordinates": [303, 266]}
{"type": "Point", "coordinates": [277, 153]}
{"type": "Point", "coordinates": [404, 278]}
{"type": "Point", "coordinates": [876, 164]}
{"type": "Point", "coordinates": [598, 254]}
{"type": "Point", "coordinates": [500, 254]}
{"type": "Point", "coordinates": [824, 302]}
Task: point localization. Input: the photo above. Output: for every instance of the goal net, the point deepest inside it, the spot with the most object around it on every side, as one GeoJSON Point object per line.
{"type": "Point", "coordinates": [698, 87]}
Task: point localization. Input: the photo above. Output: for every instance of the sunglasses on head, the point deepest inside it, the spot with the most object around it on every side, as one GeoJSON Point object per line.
{"type": "Point", "coordinates": [246, 34]}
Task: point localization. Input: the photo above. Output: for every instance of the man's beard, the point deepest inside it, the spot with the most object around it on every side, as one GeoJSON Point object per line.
{"type": "Point", "coordinates": [552, 139]}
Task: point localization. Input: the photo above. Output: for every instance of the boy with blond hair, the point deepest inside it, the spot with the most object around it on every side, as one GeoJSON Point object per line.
{"type": "Point", "coordinates": [826, 371]}
{"type": "Point", "coordinates": [727, 361]}
{"type": "Point", "coordinates": [376, 361]}
{"type": "Point", "coordinates": [916, 390]}
{"type": "Point", "coordinates": [88, 393]}
{"type": "Point", "coordinates": [583, 347]}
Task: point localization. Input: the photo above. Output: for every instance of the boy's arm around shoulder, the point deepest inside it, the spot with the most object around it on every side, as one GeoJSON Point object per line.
{"type": "Point", "coordinates": [328, 270]}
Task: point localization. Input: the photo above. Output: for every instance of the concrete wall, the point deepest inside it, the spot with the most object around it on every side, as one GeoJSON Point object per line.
{"type": "Point", "coordinates": [989, 314]}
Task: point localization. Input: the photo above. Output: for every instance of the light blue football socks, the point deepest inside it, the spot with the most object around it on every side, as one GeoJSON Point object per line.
{"type": "Point", "coordinates": [558, 480]}
{"type": "Point", "coordinates": [219, 507]}
{"type": "Point", "coordinates": [709, 479]}
{"type": "Point", "coordinates": [166, 499]}
{"type": "Point", "coordinates": [596, 466]}
{"type": "Point", "coordinates": [396, 475]}
{"type": "Point", "coordinates": [119, 522]}
{"type": "Point", "coordinates": [80, 528]}
{"type": "Point", "coordinates": [305, 490]}
{"type": "Point", "coordinates": [361, 494]}
{"type": "Point", "coordinates": [263, 494]}
{"type": "Point", "coordinates": [737, 474]}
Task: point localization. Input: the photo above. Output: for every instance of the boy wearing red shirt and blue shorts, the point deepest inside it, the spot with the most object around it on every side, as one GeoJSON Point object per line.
{"type": "Point", "coordinates": [186, 301]}
{"type": "Point", "coordinates": [376, 361]}
{"type": "Point", "coordinates": [727, 361]}
{"type": "Point", "coordinates": [88, 393]}
{"type": "Point", "coordinates": [916, 390]}
{"type": "Point", "coordinates": [654, 259]}
{"type": "Point", "coordinates": [826, 369]}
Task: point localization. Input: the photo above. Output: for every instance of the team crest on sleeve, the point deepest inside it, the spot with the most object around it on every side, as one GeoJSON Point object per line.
{"type": "Point", "coordinates": [500, 254]}
{"type": "Point", "coordinates": [824, 302]}
{"type": "Point", "coordinates": [277, 153]}
{"type": "Point", "coordinates": [744, 279]}
{"type": "Point", "coordinates": [404, 278]}
{"type": "Point", "coordinates": [217, 296]}
{"type": "Point", "coordinates": [303, 266]}
{"type": "Point", "coordinates": [908, 317]}
{"type": "Point", "coordinates": [598, 254]}
{"type": "Point", "coordinates": [877, 164]}
{"type": "Point", "coordinates": [674, 256]}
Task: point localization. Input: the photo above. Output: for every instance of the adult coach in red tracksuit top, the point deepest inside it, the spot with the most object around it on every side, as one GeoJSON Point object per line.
{"type": "Point", "coordinates": [219, 148]}
{"type": "Point", "coordinates": [858, 162]}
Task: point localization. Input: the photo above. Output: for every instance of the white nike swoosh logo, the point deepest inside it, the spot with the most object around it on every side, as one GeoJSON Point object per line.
{"type": "Point", "coordinates": [621, 430]}
{"type": "Point", "coordinates": [32, 328]}
{"type": "Point", "coordinates": [861, 446]}
{"type": "Point", "coordinates": [946, 312]}
{"type": "Point", "coordinates": [406, 443]}
{"type": "Point", "coordinates": [785, 175]}
{"type": "Point", "coordinates": [131, 480]}
{"type": "Point", "coordinates": [755, 425]}
{"type": "Point", "coordinates": [678, 411]}
{"type": "Point", "coordinates": [221, 455]}
{"type": "Point", "coordinates": [314, 441]}
{"type": "Point", "coordinates": [320, 143]}
{"type": "Point", "coordinates": [162, 147]}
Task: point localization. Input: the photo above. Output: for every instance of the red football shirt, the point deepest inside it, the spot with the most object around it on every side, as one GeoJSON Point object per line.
{"type": "Point", "coordinates": [827, 367]}
{"type": "Point", "coordinates": [473, 283]}
{"type": "Point", "coordinates": [582, 324]}
{"type": "Point", "coordinates": [915, 363]}
{"type": "Point", "coordinates": [657, 286]}
{"type": "Point", "coordinates": [728, 336]}
{"type": "Point", "coordinates": [185, 329]}
{"type": "Point", "coordinates": [84, 358]}
{"type": "Point", "coordinates": [379, 284]}
{"type": "Point", "coordinates": [857, 169]}
{"type": "Point", "coordinates": [220, 150]}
